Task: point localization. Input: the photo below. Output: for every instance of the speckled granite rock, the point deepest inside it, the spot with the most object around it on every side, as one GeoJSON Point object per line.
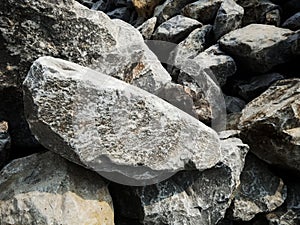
{"type": "Point", "coordinates": [103, 123]}
{"type": "Point", "coordinates": [274, 119]}
{"type": "Point", "coordinates": [147, 28]}
{"type": "Point", "coordinates": [47, 189]}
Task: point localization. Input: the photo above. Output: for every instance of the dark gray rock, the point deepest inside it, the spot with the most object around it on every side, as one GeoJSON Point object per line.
{"type": "Point", "coordinates": [260, 191]}
{"type": "Point", "coordinates": [234, 104]}
{"type": "Point", "coordinates": [4, 143]}
{"type": "Point", "coordinates": [102, 5]}
{"type": "Point", "coordinates": [229, 17]}
{"type": "Point", "coordinates": [191, 198]}
{"type": "Point", "coordinates": [47, 189]}
{"type": "Point", "coordinates": [122, 13]}
{"type": "Point", "coordinates": [257, 85]}
{"type": "Point", "coordinates": [120, 131]}
{"type": "Point", "coordinates": [258, 11]}
{"type": "Point", "coordinates": [273, 118]}
{"type": "Point", "coordinates": [293, 22]}
{"type": "Point", "coordinates": [176, 29]}
{"type": "Point", "coordinates": [147, 28]}
{"type": "Point", "coordinates": [169, 8]}
{"type": "Point", "coordinates": [260, 47]}
{"type": "Point", "coordinates": [232, 120]}
{"type": "Point", "coordinates": [204, 11]}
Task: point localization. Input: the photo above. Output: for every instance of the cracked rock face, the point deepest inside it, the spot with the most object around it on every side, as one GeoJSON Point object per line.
{"type": "Point", "coordinates": [47, 189]}
{"type": "Point", "coordinates": [111, 127]}
{"type": "Point", "coordinates": [191, 197]}
{"type": "Point", "coordinates": [273, 118]}
{"type": "Point", "coordinates": [68, 30]}
{"type": "Point", "coordinates": [260, 191]}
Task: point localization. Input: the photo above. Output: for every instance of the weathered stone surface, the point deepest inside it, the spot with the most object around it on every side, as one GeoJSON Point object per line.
{"type": "Point", "coordinates": [203, 10]}
{"type": "Point", "coordinates": [176, 29]}
{"type": "Point", "coordinates": [218, 63]}
{"type": "Point", "coordinates": [145, 8]}
{"type": "Point", "coordinates": [4, 143]}
{"type": "Point", "coordinates": [71, 31]}
{"type": "Point", "coordinates": [260, 191]}
{"type": "Point", "coordinates": [260, 47]}
{"type": "Point", "coordinates": [234, 104]}
{"type": "Point", "coordinates": [229, 17]}
{"type": "Point", "coordinates": [169, 8]}
{"type": "Point", "coordinates": [111, 127]}
{"type": "Point", "coordinates": [147, 28]}
{"type": "Point", "coordinates": [232, 120]}
{"type": "Point", "coordinates": [47, 189]}
{"type": "Point", "coordinates": [257, 11]}
{"type": "Point", "coordinates": [122, 13]}
{"type": "Point", "coordinates": [101, 5]}
{"type": "Point", "coordinates": [293, 22]}
{"type": "Point", "coordinates": [257, 85]}
{"type": "Point", "coordinates": [196, 42]}
{"type": "Point", "coordinates": [190, 198]}
{"type": "Point", "coordinates": [273, 118]}
{"type": "Point", "coordinates": [273, 17]}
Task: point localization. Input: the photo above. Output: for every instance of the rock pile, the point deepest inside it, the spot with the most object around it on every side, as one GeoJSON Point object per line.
{"type": "Point", "coordinates": [115, 112]}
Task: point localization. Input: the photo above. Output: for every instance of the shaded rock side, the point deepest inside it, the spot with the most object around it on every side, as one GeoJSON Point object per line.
{"type": "Point", "coordinates": [47, 189]}
{"type": "Point", "coordinates": [111, 127]}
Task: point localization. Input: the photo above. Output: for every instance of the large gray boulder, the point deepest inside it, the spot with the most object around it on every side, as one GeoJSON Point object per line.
{"type": "Point", "coordinates": [71, 31]}
{"type": "Point", "coordinates": [111, 127]}
{"type": "Point", "coordinates": [47, 189]}
{"type": "Point", "coordinates": [270, 124]}
{"type": "Point", "coordinates": [190, 198]}
{"type": "Point", "coordinates": [260, 47]}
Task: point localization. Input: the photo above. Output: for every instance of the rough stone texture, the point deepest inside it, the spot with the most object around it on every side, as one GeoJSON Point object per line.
{"type": "Point", "coordinates": [68, 30]}
{"type": "Point", "coordinates": [232, 121]}
{"type": "Point", "coordinates": [190, 198]}
{"type": "Point", "coordinates": [260, 191]}
{"type": "Point", "coordinates": [234, 104]}
{"type": "Point", "coordinates": [176, 29]}
{"type": "Point", "coordinates": [293, 22]}
{"type": "Point", "coordinates": [260, 47]}
{"type": "Point", "coordinates": [145, 8]}
{"type": "Point", "coordinates": [196, 42]}
{"type": "Point", "coordinates": [221, 65]}
{"type": "Point", "coordinates": [203, 10]}
{"type": "Point", "coordinates": [257, 11]}
{"type": "Point", "coordinates": [273, 118]}
{"type": "Point", "coordinates": [169, 8]}
{"type": "Point", "coordinates": [257, 85]}
{"type": "Point", "coordinates": [101, 5]}
{"type": "Point", "coordinates": [273, 17]}
{"type": "Point", "coordinates": [147, 28]}
{"type": "Point", "coordinates": [103, 123]}
{"type": "Point", "coordinates": [4, 143]}
{"type": "Point", "coordinates": [47, 189]}
{"type": "Point", "coordinates": [229, 17]}
{"type": "Point", "coordinates": [122, 13]}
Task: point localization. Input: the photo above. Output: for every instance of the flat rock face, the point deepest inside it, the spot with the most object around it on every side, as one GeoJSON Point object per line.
{"type": "Point", "coordinates": [260, 47]}
{"type": "Point", "coordinates": [229, 17]}
{"type": "Point", "coordinates": [68, 30]}
{"type": "Point", "coordinates": [203, 10]}
{"type": "Point", "coordinates": [260, 191]}
{"type": "Point", "coordinates": [191, 198]}
{"type": "Point", "coordinates": [111, 127]}
{"type": "Point", "coordinates": [273, 118]}
{"type": "Point", "coordinates": [47, 189]}
{"type": "Point", "coordinates": [175, 29]}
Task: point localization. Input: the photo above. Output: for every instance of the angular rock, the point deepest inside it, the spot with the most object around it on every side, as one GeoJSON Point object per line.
{"type": "Point", "coordinates": [47, 189]}
{"type": "Point", "coordinates": [293, 22]}
{"type": "Point", "coordinates": [145, 8]}
{"type": "Point", "coordinates": [234, 104]}
{"type": "Point", "coordinates": [122, 13]}
{"type": "Point", "coordinates": [147, 28]}
{"type": "Point", "coordinates": [169, 9]}
{"type": "Point", "coordinates": [176, 29]}
{"type": "Point", "coordinates": [229, 17]}
{"type": "Point", "coordinates": [260, 191]}
{"type": "Point", "coordinates": [218, 63]}
{"type": "Point", "coordinates": [257, 85]}
{"type": "Point", "coordinates": [71, 31]}
{"type": "Point", "coordinates": [4, 143]}
{"type": "Point", "coordinates": [260, 47]}
{"type": "Point", "coordinates": [232, 120]}
{"type": "Point", "coordinates": [101, 5]}
{"type": "Point", "coordinates": [273, 118]}
{"type": "Point", "coordinates": [111, 127]}
{"type": "Point", "coordinates": [273, 17]}
{"type": "Point", "coordinates": [204, 11]}
{"type": "Point", "coordinates": [192, 198]}
{"type": "Point", "coordinates": [258, 11]}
